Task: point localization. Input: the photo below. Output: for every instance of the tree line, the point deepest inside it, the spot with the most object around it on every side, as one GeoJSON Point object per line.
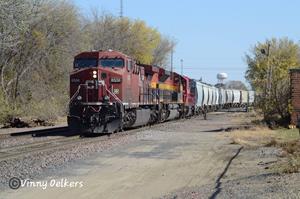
{"type": "Point", "coordinates": [38, 40]}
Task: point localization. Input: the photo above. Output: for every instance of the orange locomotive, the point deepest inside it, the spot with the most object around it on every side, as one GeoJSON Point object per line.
{"type": "Point", "coordinates": [109, 91]}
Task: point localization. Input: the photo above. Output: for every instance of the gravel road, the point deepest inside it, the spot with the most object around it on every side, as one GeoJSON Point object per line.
{"type": "Point", "coordinates": [181, 159]}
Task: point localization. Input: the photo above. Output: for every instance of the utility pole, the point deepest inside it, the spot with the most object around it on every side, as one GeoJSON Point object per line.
{"type": "Point", "coordinates": [267, 90]}
{"type": "Point", "coordinates": [270, 70]}
{"type": "Point", "coordinates": [172, 64]}
{"type": "Point", "coordinates": [181, 66]}
{"type": "Point", "coordinates": [121, 8]}
{"type": "Point", "coordinates": [269, 73]}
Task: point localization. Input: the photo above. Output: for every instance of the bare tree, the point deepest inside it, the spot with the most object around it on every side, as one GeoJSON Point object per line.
{"type": "Point", "coordinates": [162, 51]}
{"type": "Point", "coordinates": [132, 37]}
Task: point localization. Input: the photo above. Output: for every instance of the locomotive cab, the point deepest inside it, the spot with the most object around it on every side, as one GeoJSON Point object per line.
{"type": "Point", "coordinates": [96, 91]}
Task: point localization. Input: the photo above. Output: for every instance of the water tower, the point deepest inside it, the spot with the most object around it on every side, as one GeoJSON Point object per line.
{"type": "Point", "coordinates": [221, 77]}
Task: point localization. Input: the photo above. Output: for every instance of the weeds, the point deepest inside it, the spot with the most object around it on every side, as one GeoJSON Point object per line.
{"type": "Point", "coordinates": [290, 165]}
{"type": "Point", "coordinates": [272, 142]}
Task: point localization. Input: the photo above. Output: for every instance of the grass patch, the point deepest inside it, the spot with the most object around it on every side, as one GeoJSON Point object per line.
{"type": "Point", "coordinates": [263, 136]}
{"type": "Point", "coordinates": [248, 117]}
{"type": "Point", "coordinates": [258, 136]}
{"type": "Point", "coordinates": [287, 134]}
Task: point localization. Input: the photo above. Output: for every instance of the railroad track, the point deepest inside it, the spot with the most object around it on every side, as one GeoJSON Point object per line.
{"type": "Point", "coordinates": [17, 151]}
{"type": "Point", "coordinates": [63, 130]}
{"type": "Point", "coordinates": [30, 145]}
{"type": "Point", "coordinates": [64, 142]}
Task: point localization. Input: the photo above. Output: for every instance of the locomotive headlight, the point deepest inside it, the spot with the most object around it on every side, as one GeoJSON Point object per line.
{"type": "Point", "coordinates": [94, 74]}
{"type": "Point", "coordinates": [106, 98]}
{"type": "Point", "coordinates": [79, 97]}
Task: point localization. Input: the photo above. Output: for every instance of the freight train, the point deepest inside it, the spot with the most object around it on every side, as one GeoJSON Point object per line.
{"type": "Point", "coordinates": [110, 91]}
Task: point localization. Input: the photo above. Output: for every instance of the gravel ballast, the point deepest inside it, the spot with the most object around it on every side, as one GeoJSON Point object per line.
{"type": "Point", "coordinates": [35, 164]}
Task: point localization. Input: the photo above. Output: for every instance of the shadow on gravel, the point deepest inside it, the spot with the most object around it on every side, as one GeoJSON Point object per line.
{"type": "Point", "coordinates": [92, 135]}
{"type": "Point", "coordinates": [259, 177]}
{"type": "Point", "coordinates": [215, 130]}
{"type": "Point", "coordinates": [59, 131]}
{"type": "Point", "coordinates": [232, 128]}
{"type": "Point", "coordinates": [218, 181]}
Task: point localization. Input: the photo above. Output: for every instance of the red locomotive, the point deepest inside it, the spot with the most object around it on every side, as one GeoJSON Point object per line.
{"type": "Point", "coordinates": [110, 91]}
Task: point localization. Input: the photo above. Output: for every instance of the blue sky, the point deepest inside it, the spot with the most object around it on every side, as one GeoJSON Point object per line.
{"type": "Point", "coordinates": [212, 36]}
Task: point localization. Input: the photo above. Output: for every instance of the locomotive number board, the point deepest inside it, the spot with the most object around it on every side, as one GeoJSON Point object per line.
{"type": "Point", "coordinates": [115, 80]}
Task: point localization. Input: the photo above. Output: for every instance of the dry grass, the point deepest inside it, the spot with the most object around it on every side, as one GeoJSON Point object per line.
{"type": "Point", "coordinates": [286, 139]}
{"type": "Point", "coordinates": [248, 117]}
{"type": "Point", "coordinates": [258, 136]}
{"type": "Point", "coordinates": [61, 120]}
{"type": "Point", "coordinates": [263, 136]}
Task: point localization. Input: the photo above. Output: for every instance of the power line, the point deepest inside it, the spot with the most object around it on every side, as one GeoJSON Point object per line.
{"type": "Point", "coordinates": [217, 69]}
{"type": "Point", "coordinates": [172, 52]}
{"type": "Point", "coordinates": [181, 61]}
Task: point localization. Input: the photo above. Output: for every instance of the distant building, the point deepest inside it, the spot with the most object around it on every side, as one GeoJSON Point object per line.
{"type": "Point", "coordinates": [295, 95]}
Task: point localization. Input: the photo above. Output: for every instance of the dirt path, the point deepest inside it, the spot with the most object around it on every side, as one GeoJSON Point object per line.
{"type": "Point", "coordinates": [182, 154]}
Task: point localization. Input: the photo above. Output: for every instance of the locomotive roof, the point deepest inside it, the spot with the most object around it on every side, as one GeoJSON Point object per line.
{"type": "Point", "coordinates": [102, 54]}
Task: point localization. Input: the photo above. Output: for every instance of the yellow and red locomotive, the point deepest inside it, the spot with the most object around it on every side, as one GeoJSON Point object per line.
{"type": "Point", "coordinates": [109, 91]}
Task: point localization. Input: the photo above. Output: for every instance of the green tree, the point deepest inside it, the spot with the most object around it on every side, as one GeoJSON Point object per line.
{"type": "Point", "coordinates": [268, 73]}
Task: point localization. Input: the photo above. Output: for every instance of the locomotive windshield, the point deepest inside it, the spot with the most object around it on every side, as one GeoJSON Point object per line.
{"type": "Point", "coordinates": [85, 62]}
{"type": "Point", "coordinates": [112, 63]}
